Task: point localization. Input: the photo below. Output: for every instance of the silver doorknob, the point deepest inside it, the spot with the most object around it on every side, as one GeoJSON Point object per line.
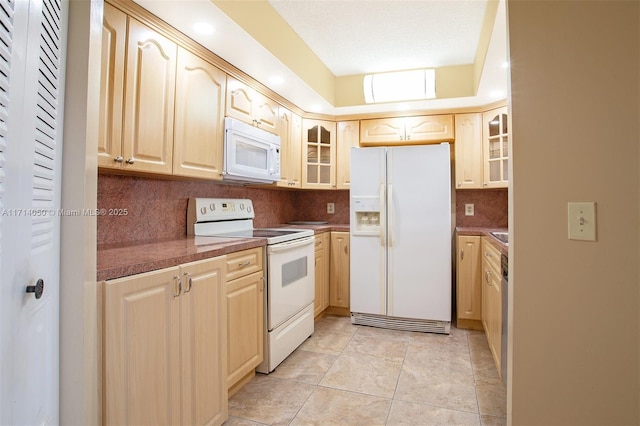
{"type": "Point", "coordinates": [37, 289]}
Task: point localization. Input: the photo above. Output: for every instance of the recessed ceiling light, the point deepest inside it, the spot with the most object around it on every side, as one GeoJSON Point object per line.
{"type": "Point", "coordinates": [497, 94]}
{"type": "Point", "coordinates": [276, 79]}
{"type": "Point", "coordinates": [315, 108]}
{"type": "Point", "coordinates": [203, 28]}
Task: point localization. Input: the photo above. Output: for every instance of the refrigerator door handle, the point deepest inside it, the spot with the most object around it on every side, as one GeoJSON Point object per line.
{"type": "Point", "coordinates": [383, 227]}
{"type": "Point", "coordinates": [390, 215]}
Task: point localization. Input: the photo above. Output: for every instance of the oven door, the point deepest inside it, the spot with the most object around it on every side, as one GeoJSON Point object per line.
{"type": "Point", "coordinates": [291, 279]}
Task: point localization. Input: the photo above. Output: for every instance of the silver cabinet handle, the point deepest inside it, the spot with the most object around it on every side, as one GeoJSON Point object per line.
{"type": "Point", "coordinates": [118, 159]}
{"type": "Point", "coordinates": [345, 250]}
{"type": "Point", "coordinates": [461, 254]}
{"type": "Point", "coordinates": [189, 282]}
{"type": "Point", "coordinates": [243, 264]}
{"type": "Point", "coordinates": [486, 276]}
{"type": "Point", "coordinates": [177, 290]}
{"type": "Point", "coordinates": [131, 160]}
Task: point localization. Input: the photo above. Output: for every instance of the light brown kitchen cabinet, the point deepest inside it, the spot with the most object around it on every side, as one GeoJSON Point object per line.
{"type": "Point", "coordinates": [496, 148]}
{"type": "Point", "coordinates": [149, 95]}
{"type": "Point", "coordinates": [246, 104]}
{"type": "Point", "coordinates": [199, 118]}
{"type": "Point", "coordinates": [469, 282]}
{"type": "Point", "coordinates": [165, 343]}
{"type": "Point", "coordinates": [322, 250]}
{"type": "Point", "coordinates": [492, 299]}
{"type": "Point", "coordinates": [348, 136]}
{"type": "Point", "coordinates": [339, 275]}
{"type": "Point", "coordinates": [406, 130]}
{"type": "Point", "coordinates": [245, 300]}
{"type": "Point", "coordinates": [290, 131]}
{"type": "Point", "coordinates": [114, 38]}
{"type": "Point", "coordinates": [318, 154]}
{"type": "Point", "coordinates": [468, 151]}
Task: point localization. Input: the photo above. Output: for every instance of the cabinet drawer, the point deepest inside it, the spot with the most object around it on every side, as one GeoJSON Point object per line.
{"type": "Point", "coordinates": [490, 254]}
{"type": "Point", "coordinates": [244, 263]}
{"type": "Point", "coordinates": [321, 241]}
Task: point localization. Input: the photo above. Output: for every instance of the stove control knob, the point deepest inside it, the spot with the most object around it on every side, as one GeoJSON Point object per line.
{"type": "Point", "coordinates": [212, 207]}
{"type": "Point", "coordinates": [249, 209]}
{"type": "Point", "coordinates": [203, 210]}
{"type": "Point", "coordinates": [241, 206]}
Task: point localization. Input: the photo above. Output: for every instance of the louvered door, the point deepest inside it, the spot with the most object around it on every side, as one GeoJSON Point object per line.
{"type": "Point", "coordinates": [31, 50]}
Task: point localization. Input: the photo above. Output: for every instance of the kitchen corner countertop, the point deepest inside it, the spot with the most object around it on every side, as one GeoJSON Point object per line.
{"type": "Point", "coordinates": [485, 232]}
{"type": "Point", "coordinates": [122, 260]}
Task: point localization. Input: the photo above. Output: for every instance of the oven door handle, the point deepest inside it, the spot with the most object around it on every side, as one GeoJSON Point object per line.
{"type": "Point", "coordinates": [281, 247]}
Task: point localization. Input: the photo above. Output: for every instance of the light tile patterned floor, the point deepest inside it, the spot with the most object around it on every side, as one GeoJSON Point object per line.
{"type": "Point", "coordinates": [355, 375]}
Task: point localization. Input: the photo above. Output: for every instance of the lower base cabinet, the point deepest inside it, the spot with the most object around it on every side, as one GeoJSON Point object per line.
{"type": "Point", "coordinates": [321, 300]}
{"type": "Point", "coordinates": [339, 276]}
{"type": "Point", "coordinates": [492, 300]}
{"type": "Point", "coordinates": [165, 346]}
{"type": "Point", "coordinates": [245, 301]}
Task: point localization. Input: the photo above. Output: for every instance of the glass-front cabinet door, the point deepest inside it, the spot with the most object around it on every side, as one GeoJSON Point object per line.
{"type": "Point", "coordinates": [319, 154]}
{"type": "Point", "coordinates": [496, 148]}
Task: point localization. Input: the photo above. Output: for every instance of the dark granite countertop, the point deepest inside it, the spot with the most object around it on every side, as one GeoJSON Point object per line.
{"type": "Point", "coordinates": [485, 232]}
{"type": "Point", "coordinates": [122, 260]}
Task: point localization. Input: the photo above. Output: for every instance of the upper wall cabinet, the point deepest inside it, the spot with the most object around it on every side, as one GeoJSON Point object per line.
{"type": "Point", "coordinates": [468, 150]}
{"type": "Point", "coordinates": [246, 104]}
{"type": "Point", "coordinates": [496, 148]}
{"type": "Point", "coordinates": [114, 37]}
{"type": "Point", "coordinates": [406, 130]}
{"type": "Point", "coordinates": [150, 81]}
{"type": "Point", "coordinates": [482, 150]}
{"type": "Point", "coordinates": [146, 106]}
{"type": "Point", "coordinates": [162, 107]}
{"type": "Point", "coordinates": [318, 154]}
{"type": "Point", "coordinates": [290, 131]}
{"type": "Point", "coordinates": [199, 118]}
{"type": "Point", "coordinates": [347, 138]}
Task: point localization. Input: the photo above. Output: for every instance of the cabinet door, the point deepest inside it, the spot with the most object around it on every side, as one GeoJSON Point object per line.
{"type": "Point", "coordinates": [204, 343]}
{"type": "Point", "coordinates": [199, 118]}
{"type": "Point", "coordinates": [469, 281]}
{"type": "Point", "coordinates": [321, 300]}
{"type": "Point", "coordinates": [149, 100]}
{"type": "Point", "coordinates": [266, 113]}
{"type": "Point", "coordinates": [319, 154]}
{"type": "Point", "coordinates": [245, 310]}
{"type": "Point", "coordinates": [114, 33]}
{"type": "Point", "coordinates": [142, 349]}
{"type": "Point", "coordinates": [347, 137]}
{"type": "Point", "coordinates": [496, 148]}
{"type": "Point", "coordinates": [290, 139]}
{"type": "Point", "coordinates": [428, 128]}
{"type": "Point", "coordinates": [339, 278]}
{"type": "Point", "coordinates": [468, 150]}
{"type": "Point", "coordinates": [384, 131]}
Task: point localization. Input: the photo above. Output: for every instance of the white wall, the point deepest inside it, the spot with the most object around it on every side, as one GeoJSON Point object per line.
{"type": "Point", "coordinates": [575, 131]}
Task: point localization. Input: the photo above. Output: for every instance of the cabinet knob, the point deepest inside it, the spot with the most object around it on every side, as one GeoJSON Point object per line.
{"type": "Point", "coordinates": [118, 159]}
{"type": "Point", "coordinates": [131, 160]}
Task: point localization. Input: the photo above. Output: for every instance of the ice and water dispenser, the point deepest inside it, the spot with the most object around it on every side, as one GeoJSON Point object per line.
{"type": "Point", "coordinates": [366, 215]}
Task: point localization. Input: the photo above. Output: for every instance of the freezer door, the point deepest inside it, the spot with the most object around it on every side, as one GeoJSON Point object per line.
{"type": "Point", "coordinates": [419, 232]}
{"type": "Point", "coordinates": [367, 239]}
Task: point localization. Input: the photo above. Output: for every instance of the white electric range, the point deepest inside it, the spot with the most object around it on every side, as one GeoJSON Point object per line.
{"type": "Point", "coordinates": [290, 270]}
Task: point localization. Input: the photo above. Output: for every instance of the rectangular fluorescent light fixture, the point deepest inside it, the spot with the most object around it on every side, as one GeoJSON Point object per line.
{"type": "Point", "coordinates": [400, 86]}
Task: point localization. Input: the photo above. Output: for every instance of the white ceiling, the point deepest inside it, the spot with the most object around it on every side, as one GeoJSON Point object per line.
{"type": "Point", "coordinates": [364, 36]}
{"type": "Point", "coordinates": [355, 37]}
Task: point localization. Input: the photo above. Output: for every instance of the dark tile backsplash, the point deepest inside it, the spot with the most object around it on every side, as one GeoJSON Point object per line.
{"type": "Point", "coordinates": [157, 208]}
{"type": "Point", "coordinates": [490, 205]}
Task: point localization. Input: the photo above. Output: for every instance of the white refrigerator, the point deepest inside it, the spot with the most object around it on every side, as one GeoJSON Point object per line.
{"type": "Point", "coordinates": [400, 228]}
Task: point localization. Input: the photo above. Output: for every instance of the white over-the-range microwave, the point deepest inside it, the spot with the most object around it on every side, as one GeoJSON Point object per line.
{"type": "Point", "coordinates": [251, 154]}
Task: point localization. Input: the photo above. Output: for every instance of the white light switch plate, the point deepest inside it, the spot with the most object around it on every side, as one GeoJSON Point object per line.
{"type": "Point", "coordinates": [582, 221]}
